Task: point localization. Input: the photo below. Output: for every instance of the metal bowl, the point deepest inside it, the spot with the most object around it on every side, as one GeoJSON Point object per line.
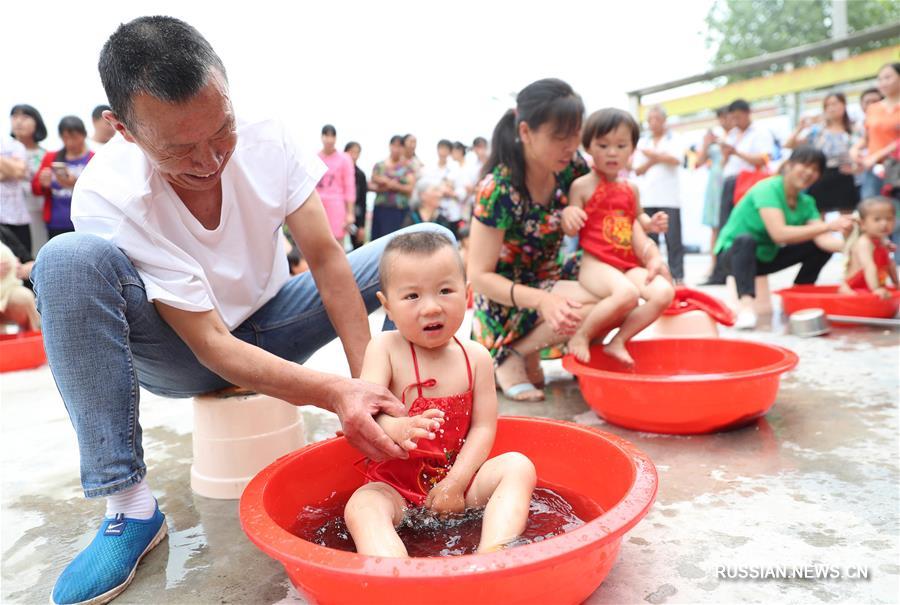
{"type": "Point", "coordinates": [808, 322]}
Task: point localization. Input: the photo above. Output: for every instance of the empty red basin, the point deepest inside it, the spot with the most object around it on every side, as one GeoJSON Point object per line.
{"type": "Point", "coordinates": [832, 302]}
{"type": "Point", "coordinates": [565, 569]}
{"type": "Point", "coordinates": [684, 386]}
{"type": "Point", "coordinates": [21, 351]}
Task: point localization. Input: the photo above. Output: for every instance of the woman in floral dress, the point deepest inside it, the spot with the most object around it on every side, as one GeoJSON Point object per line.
{"type": "Point", "coordinates": [524, 299]}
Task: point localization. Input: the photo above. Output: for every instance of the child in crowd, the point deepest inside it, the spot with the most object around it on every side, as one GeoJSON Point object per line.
{"type": "Point", "coordinates": [869, 262]}
{"type": "Point", "coordinates": [621, 264]}
{"type": "Point", "coordinates": [424, 293]}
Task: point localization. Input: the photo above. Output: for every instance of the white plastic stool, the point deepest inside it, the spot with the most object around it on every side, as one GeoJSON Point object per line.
{"type": "Point", "coordinates": [690, 324]}
{"type": "Point", "coordinates": [237, 433]}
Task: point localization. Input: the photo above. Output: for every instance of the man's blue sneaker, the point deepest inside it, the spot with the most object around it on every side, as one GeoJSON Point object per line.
{"type": "Point", "coordinates": [106, 567]}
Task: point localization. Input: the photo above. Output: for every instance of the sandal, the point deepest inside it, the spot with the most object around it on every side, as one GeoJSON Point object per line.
{"type": "Point", "coordinates": [521, 391]}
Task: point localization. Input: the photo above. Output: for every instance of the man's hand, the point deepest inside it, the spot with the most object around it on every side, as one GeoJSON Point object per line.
{"type": "Point", "coordinates": [407, 430]}
{"type": "Point", "coordinates": [448, 496]}
{"type": "Point", "coordinates": [356, 405]}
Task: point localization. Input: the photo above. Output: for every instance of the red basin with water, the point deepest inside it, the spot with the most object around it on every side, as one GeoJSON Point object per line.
{"type": "Point", "coordinates": [21, 351]}
{"type": "Point", "coordinates": [833, 302]}
{"type": "Point", "coordinates": [684, 386]}
{"type": "Point", "coordinates": [564, 569]}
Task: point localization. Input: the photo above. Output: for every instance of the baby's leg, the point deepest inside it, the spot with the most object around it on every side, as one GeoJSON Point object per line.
{"type": "Point", "coordinates": [844, 288]}
{"type": "Point", "coordinates": [372, 514]}
{"type": "Point", "coordinates": [619, 297]}
{"type": "Point", "coordinates": [505, 483]}
{"type": "Point", "coordinates": [657, 295]}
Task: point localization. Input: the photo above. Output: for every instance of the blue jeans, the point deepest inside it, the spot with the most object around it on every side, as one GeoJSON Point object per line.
{"type": "Point", "coordinates": [104, 340]}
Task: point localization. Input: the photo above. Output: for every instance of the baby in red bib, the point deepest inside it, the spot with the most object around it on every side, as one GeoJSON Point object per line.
{"type": "Point", "coordinates": [452, 418]}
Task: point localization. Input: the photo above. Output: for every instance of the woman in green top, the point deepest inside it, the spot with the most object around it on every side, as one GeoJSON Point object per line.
{"type": "Point", "coordinates": [776, 226]}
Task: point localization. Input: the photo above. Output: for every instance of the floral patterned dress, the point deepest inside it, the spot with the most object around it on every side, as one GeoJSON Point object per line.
{"type": "Point", "coordinates": [529, 255]}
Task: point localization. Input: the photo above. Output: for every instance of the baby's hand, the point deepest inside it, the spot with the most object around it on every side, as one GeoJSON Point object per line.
{"type": "Point", "coordinates": [407, 430]}
{"type": "Point", "coordinates": [573, 219]}
{"type": "Point", "coordinates": [448, 496]}
{"type": "Point", "coordinates": [659, 222]}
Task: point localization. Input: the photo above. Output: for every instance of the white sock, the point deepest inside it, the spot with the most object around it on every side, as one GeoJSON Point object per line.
{"type": "Point", "coordinates": [136, 502]}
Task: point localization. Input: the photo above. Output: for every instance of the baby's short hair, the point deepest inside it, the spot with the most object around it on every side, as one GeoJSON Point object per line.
{"type": "Point", "coordinates": [605, 121]}
{"type": "Point", "coordinates": [419, 243]}
{"type": "Point", "coordinates": [866, 206]}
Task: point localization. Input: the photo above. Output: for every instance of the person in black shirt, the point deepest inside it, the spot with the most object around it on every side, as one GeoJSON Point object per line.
{"type": "Point", "coordinates": [362, 188]}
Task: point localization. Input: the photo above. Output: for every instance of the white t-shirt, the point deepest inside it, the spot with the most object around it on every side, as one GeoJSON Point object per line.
{"type": "Point", "coordinates": [451, 173]}
{"type": "Point", "coordinates": [235, 268]}
{"type": "Point", "coordinates": [659, 186]}
{"type": "Point", "coordinates": [755, 140]}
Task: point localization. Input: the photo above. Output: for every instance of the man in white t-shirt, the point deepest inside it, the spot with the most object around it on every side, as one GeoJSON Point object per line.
{"type": "Point", "coordinates": [747, 146]}
{"type": "Point", "coordinates": [657, 161]}
{"type": "Point", "coordinates": [176, 280]}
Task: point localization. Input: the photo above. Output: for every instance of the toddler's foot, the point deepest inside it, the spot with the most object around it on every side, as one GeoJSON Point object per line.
{"type": "Point", "coordinates": [580, 346]}
{"type": "Point", "coordinates": [616, 349]}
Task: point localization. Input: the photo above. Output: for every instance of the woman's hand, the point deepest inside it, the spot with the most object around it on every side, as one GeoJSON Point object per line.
{"type": "Point", "coordinates": [561, 313]}
{"type": "Point", "coordinates": [843, 223]}
{"type": "Point", "coordinates": [448, 496]}
{"type": "Point", "coordinates": [45, 177]}
{"type": "Point", "coordinates": [67, 180]}
{"type": "Point", "coordinates": [573, 219]}
{"type": "Point", "coordinates": [882, 293]}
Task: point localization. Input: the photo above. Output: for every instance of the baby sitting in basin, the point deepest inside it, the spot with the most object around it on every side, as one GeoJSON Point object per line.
{"type": "Point", "coordinates": [452, 418]}
{"type": "Point", "coordinates": [869, 263]}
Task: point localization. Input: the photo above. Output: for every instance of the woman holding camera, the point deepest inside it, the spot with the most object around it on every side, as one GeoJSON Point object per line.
{"type": "Point", "coordinates": [59, 170]}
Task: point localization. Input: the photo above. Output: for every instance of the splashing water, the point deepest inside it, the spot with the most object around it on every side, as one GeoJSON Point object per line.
{"type": "Point", "coordinates": [426, 535]}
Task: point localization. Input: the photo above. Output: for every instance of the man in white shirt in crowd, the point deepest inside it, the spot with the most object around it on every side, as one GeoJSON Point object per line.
{"type": "Point", "coordinates": [747, 147]}
{"type": "Point", "coordinates": [176, 281]}
{"type": "Point", "coordinates": [448, 174]}
{"type": "Point", "coordinates": [103, 130]}
{"type": "Point", "coordinates": [657, 161]}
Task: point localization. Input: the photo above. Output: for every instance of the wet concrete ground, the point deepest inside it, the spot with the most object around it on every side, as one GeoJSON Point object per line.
{"type": "Point", "coordinates": [816, 482]}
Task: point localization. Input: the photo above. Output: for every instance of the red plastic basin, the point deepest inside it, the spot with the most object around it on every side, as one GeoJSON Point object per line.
{"type": "Point", "coordinates": [832, 302]}
{"type": "Point", "coordinates": [565, 569]}
{"type": "Point", "coordinates": [684, 386]}
{"type": "Point", "coordinates": [21, 351]}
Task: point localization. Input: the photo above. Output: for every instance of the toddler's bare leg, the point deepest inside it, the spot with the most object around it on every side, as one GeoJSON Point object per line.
{"type": "Point", "coordinates": [657, 295]}
{"type": "Point", "coordinates": [619, 297]}
{"type": "Point", "coordinates": [372, 514]}
{"type": "Point", "coordinates": [505, 483]}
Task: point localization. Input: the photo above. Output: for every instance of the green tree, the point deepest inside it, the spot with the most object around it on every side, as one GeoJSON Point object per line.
{"type": "Point", "coordinates": [741, 29]}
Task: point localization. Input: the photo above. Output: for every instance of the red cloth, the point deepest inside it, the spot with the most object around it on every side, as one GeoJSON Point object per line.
{"type": "Point", "coordinates": [746, 180]}
{"type": "Point", "coordinates": [432, 459]}
{"type": "Point", "coordinates": [687, 299]}
{"type": "Point", "coordinates": [606, 233]}
{"type": "Point", "coordinates": [882, 257]}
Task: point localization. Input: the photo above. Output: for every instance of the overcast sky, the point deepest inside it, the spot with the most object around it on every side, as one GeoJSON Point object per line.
{"type": "Point", "coordinates": [374, 68]}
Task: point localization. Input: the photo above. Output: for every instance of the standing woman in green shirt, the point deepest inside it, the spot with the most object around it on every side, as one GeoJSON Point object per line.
{"type": "Point", "coordinates": [776, 226]}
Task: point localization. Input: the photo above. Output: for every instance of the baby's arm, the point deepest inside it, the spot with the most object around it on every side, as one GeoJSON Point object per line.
{"type": "Point", "coordinates": [449, 494]}
{"type": "Point", "coordinates": [574, 216]}
{"type": "Point", "coordinates": [648, 253]}
{"type": "Point", "coordinates": [658, 223]}
{"type": "Point", "coordinates": [406, 430]}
